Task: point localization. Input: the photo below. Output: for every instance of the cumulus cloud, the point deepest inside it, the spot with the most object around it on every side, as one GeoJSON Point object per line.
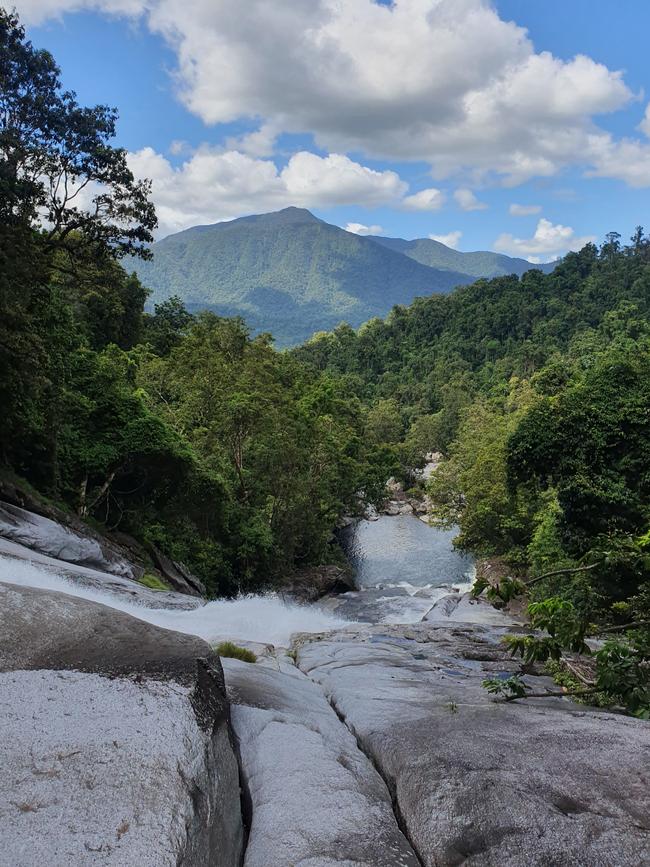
{"type": "Point", "coordinates": [627, 160]}
{"type": "Point", "coordinates": [37, 11]}
{"type": "Point", "coordinates": [214, 185]}
{"type": "Point", "coordinates": [548, 242]}
{"type": "Point", "coordinates": [360, 229]}
{"type": "Point", "coordinates": [524, 210]}
{"type": "Point", "coordinates": [444, 81]}
{"type": "Point", "coordinates": [451, 240]}
{"type": "Point", "coordinates": [644, 126]}
{"type": "Point", "coordinates": [430, 199]}
{"type": "Point", "coordinates": [466, 200]}
{"type": "Point", "coordinates": [259, 143]}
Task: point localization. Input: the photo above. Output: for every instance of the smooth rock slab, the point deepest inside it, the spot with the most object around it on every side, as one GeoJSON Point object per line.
{"type": "Point", "coordinates": [109, 772]}
{"type": "Point", "coordinates": [18, 559]}
{"type": "Point", "coordinates": [544, 782]}
{"type": "Point", "coordinates": [116, 748]}
{"type": "Point", "coordinates": [53, 539]}
{"type": "Point", "coordinates": [316, 800]}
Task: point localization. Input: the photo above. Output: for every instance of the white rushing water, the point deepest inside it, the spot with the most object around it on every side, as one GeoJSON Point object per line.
{"type": "Point", "coordinates": [265, 619]}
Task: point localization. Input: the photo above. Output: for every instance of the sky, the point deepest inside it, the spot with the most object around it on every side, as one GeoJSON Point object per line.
{"type": "Point", "coordinates": [521, 126]}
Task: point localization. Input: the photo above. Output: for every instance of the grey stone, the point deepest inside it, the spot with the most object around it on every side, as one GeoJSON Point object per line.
{"type": "Point", "coordinates": [91, 579]}
{"type": "Point", "coordinates": [177, 574]}
{"type": "Point", "coordinates": [116, 746]}
{"type": "Point", "coordinates": [314, 582]}
{"type": "Point", "coordinates": [63, 543]}
{"type": "Point", "coordinates": [100, 771]}
{"type": "Point", "coordinates": [478, 782]}
{"type": "Point", "coordinates": [314, 796]}
{"type": "Point", "coordinates": [50, 630]}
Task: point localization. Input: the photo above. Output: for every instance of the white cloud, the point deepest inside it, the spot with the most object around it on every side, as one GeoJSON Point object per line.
{"type": "Point", "coordinates": [548, 242]}
{"type": "Point", "coordinates": [644, 126]}
{"type": "Point", "coordinates": [466, 200]}
{"type": "Point", "coordinates": [443, 81]}
{"type": "Point", "coordinates": [259, 143]}
{"type": "Point", "coordinates": [425, 200]}
{"type": "Point", "coordinates": [627, 160]}
{"type": "Point", "coordinates": [214, 185]}
{"type": "Point", "coordinates": [524, 210]}
{"type": "Point", "coordinates": [37, 11]}
{"type": "Point", "coordinates": [178, 147]}
{"type": "Point", "coordinates": [451, 240]}
{"type": "Point", "coordinates": [360, 229]}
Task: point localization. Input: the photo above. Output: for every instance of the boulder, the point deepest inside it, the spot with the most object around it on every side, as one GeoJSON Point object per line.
{"type": "Point", "coordinates": [53, 539]}
{"type": "Point", "coordinates": [314, 582]}
{"type": "Point", "coordinates": [177, 574]}
{"type": "Point", "coordinates": [314, 797]}
{"type": "Point", "coordinates": [538, 782]}
{"type": "Point", "coordinates": [116, 744]}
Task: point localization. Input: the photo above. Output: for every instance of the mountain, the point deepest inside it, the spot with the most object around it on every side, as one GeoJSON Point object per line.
{"type": "Point", "coordinates": [292, 274]}
{"type": "Point", "coordinates": [480, 264]}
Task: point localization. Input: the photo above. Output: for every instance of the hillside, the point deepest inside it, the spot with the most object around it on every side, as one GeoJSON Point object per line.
{"type": "Point", "coordinates": [292, 274]}
{"type": "Point", "coordinates": [482, 334]}
{"type": "Point", "coordinates": [287, 272]}
{"type": "Point", "coordinates": [482, 263]}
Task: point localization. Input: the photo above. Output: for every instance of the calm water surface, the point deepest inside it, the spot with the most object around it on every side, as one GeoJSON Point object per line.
{"type": "Point", "coordinates": [402, 550]}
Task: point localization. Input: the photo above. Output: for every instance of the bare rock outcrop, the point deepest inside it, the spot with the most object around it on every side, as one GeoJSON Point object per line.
{"type": "Point", "coordinates": [116, 744]}
{"type": "Point", "coordinates": [479, 782]}
{"type": "Point", "coordinates": [314, 797]}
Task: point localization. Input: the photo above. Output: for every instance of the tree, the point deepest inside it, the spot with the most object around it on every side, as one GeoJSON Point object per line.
{"type": "Point", "coordinates": [58, 171]}
{"type": "Point", "coordinates": [170, 321]}
{"type": "Point", "coordinates": [69, 207]}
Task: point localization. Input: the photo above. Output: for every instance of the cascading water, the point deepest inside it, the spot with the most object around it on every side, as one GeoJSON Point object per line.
{"type": "Point", "coordinates": [402, 566]}
{"type": "Point", "coordinates": [265, 619]}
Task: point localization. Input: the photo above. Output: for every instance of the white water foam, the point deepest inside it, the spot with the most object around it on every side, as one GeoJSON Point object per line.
{"type": "Point", "coordinates": [264, 619]}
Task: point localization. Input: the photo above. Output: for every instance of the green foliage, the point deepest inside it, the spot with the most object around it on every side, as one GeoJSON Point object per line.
{"type": "Point", "coordinates": [498, 594]}
{"type": "Point", "coordinates": [508, 688]}
{"type": "Point", "coordinates": [623, 673]}
{"type": "Point", "coordinates": [289, 273]}
{"type": "Point", "coordinates": [479, 264]}
{"type": "Point", "coordinates": [51, 148]}
{"type": "Point", "coordinates": [153, 582]}
{"type": "Point", "coordinates": [234, 651]}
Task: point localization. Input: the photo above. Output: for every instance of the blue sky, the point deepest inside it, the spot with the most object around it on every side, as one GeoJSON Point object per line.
{"type": "Point", "coordinates": [447, 98]}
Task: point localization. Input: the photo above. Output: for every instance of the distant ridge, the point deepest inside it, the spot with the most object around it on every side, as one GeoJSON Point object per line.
{"type": "Point", "coordinates": [482, 263]}
{"type": "Point", "coordinates": [292, 274]}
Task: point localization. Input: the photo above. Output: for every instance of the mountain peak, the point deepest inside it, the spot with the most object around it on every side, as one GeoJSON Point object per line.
{"type": "Point", "coordinates": [285, 216]}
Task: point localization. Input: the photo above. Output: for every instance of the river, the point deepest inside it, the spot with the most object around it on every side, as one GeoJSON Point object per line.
{"type": "Point", "coordinates": [402, 567]}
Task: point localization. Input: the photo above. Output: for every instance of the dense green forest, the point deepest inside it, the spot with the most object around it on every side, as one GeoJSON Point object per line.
{"type": "Point", "coordinates": [482, 263]}
{"type": "Point", "coordinates": [287, 272]}
{"type": "Point", "coordinates": [537, 392]}
{"type": "Point", "coordinates": [180, 430]}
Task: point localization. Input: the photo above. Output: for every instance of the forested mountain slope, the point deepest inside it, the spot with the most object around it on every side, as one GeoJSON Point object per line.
{"type": "Point", "coordinates": [292, 274]}
{"type": "Point", "coordinates": [288, 273]}
{"type": "Point", "coordinates": [483, 263]}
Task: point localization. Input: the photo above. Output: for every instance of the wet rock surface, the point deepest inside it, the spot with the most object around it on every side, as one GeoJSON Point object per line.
{"type": "Point", "coordinates": [53, 539]}
{"type": "Point", "coordinates": [18, 555]}
{"type": "Point", "coordinates": [310, 584]}
{"type": "Point", "coordinates": [314, 797]}
{"type": "Point", "coordinates": [543, 782]}
{"type": "Point", "coordinates": [115, 750]}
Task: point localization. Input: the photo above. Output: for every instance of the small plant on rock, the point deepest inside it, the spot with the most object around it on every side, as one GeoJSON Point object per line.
{"type": "Point", "coordinates": [234, 651]}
